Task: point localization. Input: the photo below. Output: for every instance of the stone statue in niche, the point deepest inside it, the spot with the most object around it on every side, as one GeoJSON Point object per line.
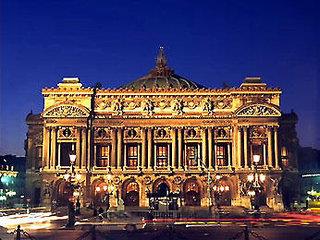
{"type": "Point", "coordinates": [120, 206]}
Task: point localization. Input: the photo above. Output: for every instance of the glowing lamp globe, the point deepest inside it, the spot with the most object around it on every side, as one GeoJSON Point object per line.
{"type": "Point", "coordinates": [72, 158]}
{"type": "Point", "coordinates": [256, 159]}
{"type": "Point", "coordinates": [250, 177]}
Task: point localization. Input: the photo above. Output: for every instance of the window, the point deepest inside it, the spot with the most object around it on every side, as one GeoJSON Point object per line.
{"type": "Point", "coordinates": [103, 156]}
{"type": "Point", "coordinates": [162, 155]}
{"type": "Point", "coordinates": [221, 155]}
{"type": "Point", "coordinates": [284, 157]}
{"type": "Point", "coordinates": [192, 154]}
{"type": "Point", "coordinates": [66, 149]}
{"type": "Point", "coordinates": [132, 153]}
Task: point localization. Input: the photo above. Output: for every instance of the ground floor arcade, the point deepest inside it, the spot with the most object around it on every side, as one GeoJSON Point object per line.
{"type": "Point", "coordinates": [139, 190]}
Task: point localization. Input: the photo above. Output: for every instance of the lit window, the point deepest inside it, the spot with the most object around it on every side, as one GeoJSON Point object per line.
{"type": "Point", "coordinates": [284, 157]}
{"type": "Point", "coordinates": [221, 155]}
{"type": "Point", "coordinates": [103, 157]}
{"type": "Point", "coordinates": [192, 154]}
{"type": "Point", "coordinates": [132, 153]}
{"type": "Point", "coordinates": [162, 155]}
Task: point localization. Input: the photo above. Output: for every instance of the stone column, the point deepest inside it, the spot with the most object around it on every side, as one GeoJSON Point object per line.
{"type": "Point", "coordinates": [199, 163]}
{"type": "Point", "coordinates": [53, 147]}
{"type": "Point", "coordinates": [269, 146]}
{"type": "Point", "coordinates": [239, 148]}
{"type": "Point", "coordinates": [204, 148]}
{"type": "Point", "coordinates": [78, 147]}
{"type": "Point", "coordinates": [245, 146]}
{"type": "Point", "coordinates": [143, 148]}
{"type": "Point", "coordinates": [45, 148]}
{"type": "Point", "coordinates": [59, 154]}
{"type": "Point", "coordinates": [83, 148]}
{"type": "Point", "coordinates": [174, 148]}
{"type": "Point", "coordinates": [119, 148]}
{"type": "Point", "coordinates": [210, 148]}
{"type": "Point", "coordinates": [234, 146]}
{"type": "Point", "coordinates": [180, 148]}
{"type": "Point", "coordinates": [276, 160]}
{"type": "Point", "coordinates": [125, 158]}
{"type": "Point", "coordinates": [94, 155]}
{"type": "Point", "coordinates": [89, 145]}
{"type": "Point", "coordinates": [113, 147]}
{"type": "Point", "coordinates": [150, 141]}
{"type": "Point", "coordinates": [264, 151]}
{"type": "Point", "coordinates": [229, 154]}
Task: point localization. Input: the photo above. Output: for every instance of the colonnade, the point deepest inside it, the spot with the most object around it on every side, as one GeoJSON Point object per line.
{"type": "Point", "coordinates": [237, 148]}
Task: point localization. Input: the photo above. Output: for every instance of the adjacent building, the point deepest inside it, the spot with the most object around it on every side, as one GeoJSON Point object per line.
{"type": "Point", "coordinates": [161, 133]}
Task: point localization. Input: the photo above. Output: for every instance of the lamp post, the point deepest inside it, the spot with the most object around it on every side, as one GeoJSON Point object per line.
{"type": "Point", "coordinates": [256, 181]}
{"type": "Point", "coordinates": [73, 178]}
{"type": "Point", "coordinates": [211, 200]}
{"type": "Point", "coordinates": [108, 190]}
{"type": "Point", "coordinates": [219, 189]}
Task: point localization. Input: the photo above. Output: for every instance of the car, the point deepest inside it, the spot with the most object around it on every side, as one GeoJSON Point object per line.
{"type": "Point", "coordinates": [112, 220]}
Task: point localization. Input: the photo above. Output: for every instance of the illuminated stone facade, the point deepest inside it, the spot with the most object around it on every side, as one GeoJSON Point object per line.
{"type": "Point", "coordinates": [160, 131]}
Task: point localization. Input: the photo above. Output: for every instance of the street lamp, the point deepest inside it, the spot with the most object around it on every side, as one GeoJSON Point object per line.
{"type": "Point", "coordinates": [256, 181]}
{"type": "Point", "coordinates": [73, 178]}
{"type": "Point", "coordinates": [211, 199]}
{"type": "Point", "coordinates": [219, 189]}
{"type": "Point", "coordinates": [107, 189]}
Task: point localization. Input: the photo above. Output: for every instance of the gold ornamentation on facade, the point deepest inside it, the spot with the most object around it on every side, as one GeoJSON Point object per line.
{"type": "Point", "coordinates": [208, 106]}
{"type": "Point", "coordinates": [177, 107]}
{"type": "Point", "coordinates": [258, 110]}
{"type": "Point", "coordinates": [148, 107]}
{"type": "Point", "coordinates": [66, 132]}
{"type": "Point", "coordinates": [66, 111]}
{"type": "Point", "coordinates": [117, 107]}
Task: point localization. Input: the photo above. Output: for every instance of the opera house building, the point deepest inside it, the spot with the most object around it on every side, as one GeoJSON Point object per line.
{"type": "Point", "coordinates": [159, 137]}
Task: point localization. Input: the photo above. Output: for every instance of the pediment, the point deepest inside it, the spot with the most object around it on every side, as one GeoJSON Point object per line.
{"type": "Point", "coordinates": [66, 111]}
{"type": "Point", "coordinates": [258, 110]}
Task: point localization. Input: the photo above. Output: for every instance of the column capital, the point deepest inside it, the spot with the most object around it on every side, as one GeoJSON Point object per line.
{"type": "Point", "coordinates": [269, 128]}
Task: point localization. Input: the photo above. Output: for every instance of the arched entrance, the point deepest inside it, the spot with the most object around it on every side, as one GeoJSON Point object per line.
{"type": "Point", "coordinates": [130, 193]}
{"type": "Point", "coordinates": [64, 192]}
{"type": "Point", "coordinates": [161, 188]}
{"type": "Point", "coordinates": [191, 191]}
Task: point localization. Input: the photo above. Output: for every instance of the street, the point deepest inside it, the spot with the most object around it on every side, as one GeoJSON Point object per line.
{"type": "Point", "coordinates": [45, 225]}
{"type": "Point", "coordinates": [179, 232]}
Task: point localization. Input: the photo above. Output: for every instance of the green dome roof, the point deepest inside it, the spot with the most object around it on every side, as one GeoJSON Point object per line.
{"type": "Point", "coordinates": [162, 77]}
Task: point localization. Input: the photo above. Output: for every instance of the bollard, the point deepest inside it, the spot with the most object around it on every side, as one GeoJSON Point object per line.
{"type": "Point", "coordinates": [18, 237]}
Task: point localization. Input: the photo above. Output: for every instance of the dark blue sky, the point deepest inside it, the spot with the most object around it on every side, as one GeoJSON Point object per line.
{"type": "Point", "coordinates": [114, 42]}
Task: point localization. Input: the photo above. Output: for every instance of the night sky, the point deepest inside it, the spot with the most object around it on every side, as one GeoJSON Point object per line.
{"type": "Point", "coordinates": [114, 42]}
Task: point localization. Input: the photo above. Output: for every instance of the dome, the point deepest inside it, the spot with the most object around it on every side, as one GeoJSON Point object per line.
{"type": "Point", "coordinates": [162, 77]}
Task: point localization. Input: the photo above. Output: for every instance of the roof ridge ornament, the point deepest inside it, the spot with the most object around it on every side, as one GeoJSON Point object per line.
{"type": "Point", "coordinates": [161, 69]}
{"type": "Point", "coordinates": [161, 58]}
